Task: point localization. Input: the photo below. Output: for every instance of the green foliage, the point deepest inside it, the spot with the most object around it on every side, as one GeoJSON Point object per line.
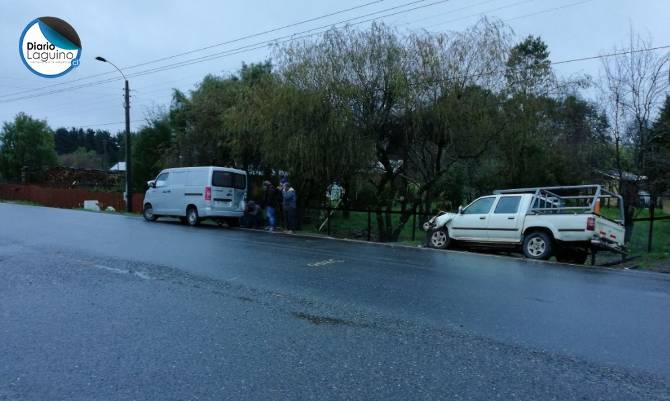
{"type": "Point", "coordinates": [82, 158]}
{"type": "Point", "coordinates": [658, 152]}
{"type": "Point", "coordinates": [99, 141]}
{"type": "Point", "coordinates": [150, 146]}
{"type": "Point", "coordinates": [25, 142]}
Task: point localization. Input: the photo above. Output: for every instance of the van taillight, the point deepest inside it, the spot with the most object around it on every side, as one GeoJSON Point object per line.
{"type": "Point", "coordinates": [591, 224]}
{"type": "Point", "coordinates": [208, 193]}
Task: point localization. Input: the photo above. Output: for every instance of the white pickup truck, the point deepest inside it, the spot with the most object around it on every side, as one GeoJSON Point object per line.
{"type": "Point", "coordinates": [565, 222]}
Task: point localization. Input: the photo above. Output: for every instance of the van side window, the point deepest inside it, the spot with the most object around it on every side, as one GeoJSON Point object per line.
{"type": "Point", "coordinates": [507, 205]}
{"type": "Point", "coordinates": [240, 181]}
{"type": "Point", "coordinates": [480, 206]}
{"type": "Point", "coordinates": [161, 180]}
{"type": "Point", "coordinates": [222, 179]}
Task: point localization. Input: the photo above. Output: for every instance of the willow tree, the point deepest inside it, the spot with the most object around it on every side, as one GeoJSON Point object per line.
{"type": "Point", "coordinates": [400, 92]}
{"type": "Point", "coordinates": [365, 73]}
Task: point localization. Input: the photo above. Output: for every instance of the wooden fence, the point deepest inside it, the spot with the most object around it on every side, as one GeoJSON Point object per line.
{"type": "Point", "coordinates": [69, 198]}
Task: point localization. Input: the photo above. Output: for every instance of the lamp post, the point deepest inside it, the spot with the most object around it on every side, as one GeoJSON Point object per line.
{"type": "Point", "coordinates": [129, 192]}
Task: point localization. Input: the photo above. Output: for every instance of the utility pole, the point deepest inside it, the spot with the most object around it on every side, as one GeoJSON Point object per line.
{"type": "Point", "coordinates": [129, 189]}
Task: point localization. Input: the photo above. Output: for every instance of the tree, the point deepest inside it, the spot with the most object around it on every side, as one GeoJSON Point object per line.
{"type": "Point", "coordinates": [25, 143]}
{"type": "Point", "coordinates": [82, 158]}
{"type": "Point", "coordinates": [633, 85]}
{"type": "Point", "coordinates": [529, 68]}
{"type": "Point", "coordinates": [150, 146]}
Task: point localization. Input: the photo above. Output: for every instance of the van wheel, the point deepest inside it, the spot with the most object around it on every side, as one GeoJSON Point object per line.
{"type": "Point", "coordinates": [537, 245]}
{"type": "Point", "coordinates": [192, 218]}
{"type": "Point", "coordinates": [148, 213]}
{"type": "Point", "coordinates": [439, 239]}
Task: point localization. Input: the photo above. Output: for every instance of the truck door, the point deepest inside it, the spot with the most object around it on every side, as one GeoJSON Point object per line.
{"type": "Point", "coordinates": [504, 224]}
{"type": "Point", "coordinates": [471, 224]}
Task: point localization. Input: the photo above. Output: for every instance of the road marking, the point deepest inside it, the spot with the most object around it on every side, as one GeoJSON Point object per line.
{"type": "Point", "coordinates": [324, 262]}
{"type": "Point", "coordinates": [141, 275]}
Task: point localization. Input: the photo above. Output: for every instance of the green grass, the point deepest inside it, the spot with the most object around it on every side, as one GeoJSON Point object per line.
{"type": "Point", "coordinates": [355, 226]}
{"type": "Point", "coordinates": [660, 250]}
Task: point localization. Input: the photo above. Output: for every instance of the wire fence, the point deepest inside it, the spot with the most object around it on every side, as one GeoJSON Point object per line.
{"type": "Point", "coordinates": [651, 235]}
{"type": "Point", "coordinates": [364, 224]}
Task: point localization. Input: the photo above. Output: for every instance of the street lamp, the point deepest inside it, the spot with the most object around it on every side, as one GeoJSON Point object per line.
{"type": "Point", "coordinates": [129, 192]}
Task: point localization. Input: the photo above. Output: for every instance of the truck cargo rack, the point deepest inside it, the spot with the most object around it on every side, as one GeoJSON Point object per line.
{"type": "Point", "coordinates": [576, 199]}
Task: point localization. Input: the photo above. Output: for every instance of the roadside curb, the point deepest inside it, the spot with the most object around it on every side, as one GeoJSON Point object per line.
{"type": "Point", "coordinates": [440, 251]}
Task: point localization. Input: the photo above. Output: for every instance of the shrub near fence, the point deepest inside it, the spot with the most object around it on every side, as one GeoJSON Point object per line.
{"type": "Point", "coordinates": [69, 198]}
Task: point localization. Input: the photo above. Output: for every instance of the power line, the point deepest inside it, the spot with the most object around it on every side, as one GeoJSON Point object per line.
{"type": "Point", "coordinates": [548, 10]}
{"type": "Point", "coordinates": [480, 13]}
{"type": "Point", "coordinates": [490, 72]}
{"type": "Point", "coordinates": [242, 49]}
{"type": "Point", "coordinates": [621, 53]}
{"type": "Point", "coordinates": [239, 39]}
{"type": "Point", "coordinates": [450, 12]}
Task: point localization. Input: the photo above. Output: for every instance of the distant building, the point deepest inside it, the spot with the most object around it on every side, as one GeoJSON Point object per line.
{"type": "Point", "coordinates": [118, 167]}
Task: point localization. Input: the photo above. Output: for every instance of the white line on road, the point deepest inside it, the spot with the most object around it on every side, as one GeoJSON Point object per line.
{"type": "Point", "coordinates": [325, 262]}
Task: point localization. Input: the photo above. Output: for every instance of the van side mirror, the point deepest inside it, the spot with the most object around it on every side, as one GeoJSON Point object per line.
{"type": "Point", "coordinates": [151, 184]}
{"type": "Point", "coordinates": [460, 210]}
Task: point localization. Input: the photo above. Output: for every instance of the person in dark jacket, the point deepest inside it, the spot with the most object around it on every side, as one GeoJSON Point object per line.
{"type": "Point", "coordinates": [252, 215]}
{"type": "Point", "coordinates": [270, 203]}
{"type": "Point", "coordinates": [289, 202]}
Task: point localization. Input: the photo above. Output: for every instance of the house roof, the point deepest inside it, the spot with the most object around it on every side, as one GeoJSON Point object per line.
{"type": "Point", "coordinates": [120, 166]}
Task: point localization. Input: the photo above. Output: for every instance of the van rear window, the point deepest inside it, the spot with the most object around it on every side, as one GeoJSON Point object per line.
{"type": "Point", "coordinates": [229, 180]}
{"type": "Point", "coordinates": [240, 181]}
{"type": "Point", "coordinates": [222, 179]}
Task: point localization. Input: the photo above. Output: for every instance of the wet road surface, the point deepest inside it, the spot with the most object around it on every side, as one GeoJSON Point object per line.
{"type": "Point", "coordinates": [99, 306]}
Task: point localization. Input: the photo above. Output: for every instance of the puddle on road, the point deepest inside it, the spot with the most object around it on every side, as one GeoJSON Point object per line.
{"type": "Point", "coordinates": [322, 320]}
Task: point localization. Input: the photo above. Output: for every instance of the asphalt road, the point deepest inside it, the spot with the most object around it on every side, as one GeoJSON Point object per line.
{"type": "Point", "coordinates": [108, 307]}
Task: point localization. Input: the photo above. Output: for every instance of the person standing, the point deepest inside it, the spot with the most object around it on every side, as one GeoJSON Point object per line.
{"type": "Point", "coordinates": [289, 204]}
{"type": "Point", "coordinates": [270, 204]}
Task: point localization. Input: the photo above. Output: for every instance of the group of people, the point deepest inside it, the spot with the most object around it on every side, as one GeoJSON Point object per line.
{"type": "Point", "coordinates": [274, 199]}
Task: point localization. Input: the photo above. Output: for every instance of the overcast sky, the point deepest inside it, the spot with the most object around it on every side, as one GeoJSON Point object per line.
{"type": "Point", "coordinates": [132, 32]}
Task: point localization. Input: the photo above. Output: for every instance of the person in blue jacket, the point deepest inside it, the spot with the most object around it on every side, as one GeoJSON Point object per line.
{"type": "Point", "coordinates": [289, 203]}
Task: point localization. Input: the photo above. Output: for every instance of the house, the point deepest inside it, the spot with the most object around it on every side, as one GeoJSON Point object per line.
{"type": "Point", "coordinates": [118, 167]}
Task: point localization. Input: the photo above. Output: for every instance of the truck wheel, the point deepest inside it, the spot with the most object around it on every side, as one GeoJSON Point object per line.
{"type": "Point", "coordinates": [148, 213]}
{"type": "Point", "coordinates": [192, 218]}
{"type": "Point", "coordinates": [439, 238]}
{"type": "Point", "coordinates": [537, 245]}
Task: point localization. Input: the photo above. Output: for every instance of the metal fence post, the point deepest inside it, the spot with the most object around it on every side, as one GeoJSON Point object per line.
{"type": "Point", "coordinates": [414, 225]}
{"type": "Point", "coordinates": [369, 224]}
{"type": "Point", "coordinates": [328, 216]}
{"type": "Point", "coordinates": [651, 226]}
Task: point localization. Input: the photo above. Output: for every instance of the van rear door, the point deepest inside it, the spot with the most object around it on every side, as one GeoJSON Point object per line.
{"type": "Point", "coordinates": [223, 193]}
{"type": "Point", "coordinates": [240, 186]}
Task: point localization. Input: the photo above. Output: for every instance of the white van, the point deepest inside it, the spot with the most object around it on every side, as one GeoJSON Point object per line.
{"type": "Point", "coordinates": [197, 193]}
